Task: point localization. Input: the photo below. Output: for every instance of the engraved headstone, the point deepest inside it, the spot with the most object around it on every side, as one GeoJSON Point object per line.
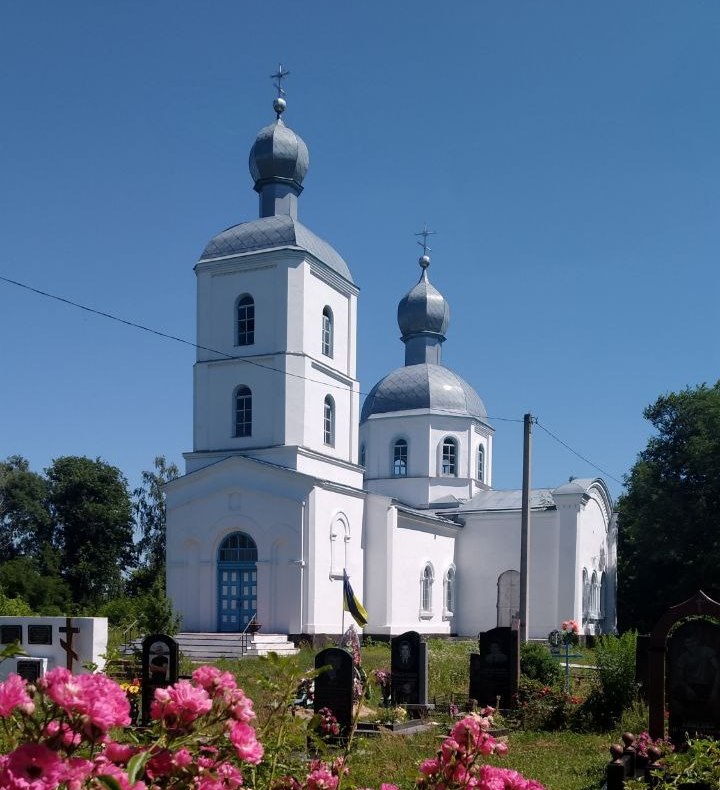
{"type": "Point", "coordinates": [684, 670]}
{"type": "Point", "coordinates": [495, 671]}
{"type": "Point", "coordinates": [40, 634]}
{"type": "Point", "coordinates": [159, 667]}
{"type": "Point", "coordinates": [409, 669]}
{"type": "Point", "coordinates": [334, 686]}
{"type": "Point", "coordinates": [693, 680]}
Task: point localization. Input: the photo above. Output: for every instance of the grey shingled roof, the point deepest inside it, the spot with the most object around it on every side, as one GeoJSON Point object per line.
{"type": "Point", "coordinates": [540, 498]}
{"type": "Point", "coordinates": [423, 386]}
{"type": "Point", "coordinates": [277, 231]}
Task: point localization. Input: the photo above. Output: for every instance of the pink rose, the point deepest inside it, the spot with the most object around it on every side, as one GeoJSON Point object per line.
{"type": "Point", "coordinates": [31, 766]}
{"type": "Point", "coordinates": [13, 695]}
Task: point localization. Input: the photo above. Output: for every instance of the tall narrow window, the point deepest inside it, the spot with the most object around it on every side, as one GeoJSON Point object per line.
{"type": "Point", "coordinates": [426, 583]}
{"type": "Point", "coordinates": [327, 332]}
{"type": "Point", "coordinates": [362, 455]}
{"type": "Point", "coordinates": [481, 463]}
{"type": "Point", "coordinates": [329, 421]}
{"type": "Point", "coordinates": [594, 597]}
{"type": "Point", "coordinates": [400, 458]}
{"type": "Point", "coordinates": [243, 411]}
{"type": "Point", "coordinates": [449, 602]}
{"type": "Point", "coordinates": [245, 320]}
{"type": "Point", "coordinates": [585, 595]}
{"type": "Point", "coordinates": [449, 458]}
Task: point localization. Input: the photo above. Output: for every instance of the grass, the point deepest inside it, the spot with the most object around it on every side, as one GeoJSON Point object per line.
{"type": "Point", "coordinates": [560, 760]}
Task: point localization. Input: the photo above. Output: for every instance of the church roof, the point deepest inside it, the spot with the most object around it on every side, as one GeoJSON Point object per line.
{"type": "Point", "coordinates": [278, 231]}
{"type": "Point", "coordinates": [423, 386]}
{"type": "Point", "coordinates": [278, 154]}
{"type": "Point", "coordinates": [540, 499]}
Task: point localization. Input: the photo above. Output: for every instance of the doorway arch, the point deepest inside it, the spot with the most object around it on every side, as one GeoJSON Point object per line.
{"type": "Point", "coordinates": [237, 582]}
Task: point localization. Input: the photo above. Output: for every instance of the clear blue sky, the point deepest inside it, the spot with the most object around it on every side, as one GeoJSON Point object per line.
{"type": "Point", "coordinates": [566, 153]}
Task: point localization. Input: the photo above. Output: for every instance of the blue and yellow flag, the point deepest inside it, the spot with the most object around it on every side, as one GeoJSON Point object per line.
{"type": "Point", "coordinates": [351, 603]}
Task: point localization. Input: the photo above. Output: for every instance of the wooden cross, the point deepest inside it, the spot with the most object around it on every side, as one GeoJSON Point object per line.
{"type": "Point", "coordinates": [67, 646]}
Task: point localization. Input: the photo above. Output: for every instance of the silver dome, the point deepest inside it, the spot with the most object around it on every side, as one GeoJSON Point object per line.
{"type": "Point", "coordinates": [423, 309]}
{"type": "Point", "coordinates": [278, 154]}
{"type": "Point", "coordinates": [280, 230]}
{"type": "Point", "coordinates": [423, 386]}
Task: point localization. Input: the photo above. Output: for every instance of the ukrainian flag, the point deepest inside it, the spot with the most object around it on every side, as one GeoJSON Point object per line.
{"type": "Point", "coordinates": [351, 603]}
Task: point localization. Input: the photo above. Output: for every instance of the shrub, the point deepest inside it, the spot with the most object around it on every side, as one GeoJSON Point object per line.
{"type": "Point", "coordinates": [537, 663]}
{"type": "Point", "coordinates": [544, 707]}
{"type": "Point", "coordinates": [615, 661]}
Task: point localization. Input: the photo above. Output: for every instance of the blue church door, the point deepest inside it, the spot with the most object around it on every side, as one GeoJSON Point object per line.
{"type": "Point", "coordinates": [237, 582]}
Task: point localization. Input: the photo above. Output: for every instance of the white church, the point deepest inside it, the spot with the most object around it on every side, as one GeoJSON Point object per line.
{"type": "Point", "coordinates": [290, 482]}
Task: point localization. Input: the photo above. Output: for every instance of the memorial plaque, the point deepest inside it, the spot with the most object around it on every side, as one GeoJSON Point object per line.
{"type": "Point", "coordinates": [408, 669]}
{"type": "Point", "coordinates": [39, 635]}
{"type": "Point", "coordinates": [29, 670]}
{"type": "Point", "coordinates": [693, 680]}
{"type": "Point", "coordinates": [495, 671]}
{"type": "Point", "coordinates": [10, 634]}
{"type": "Point", "coordinates": [334, 686]}
{"type": "Point", "coordinates": [159, 667]}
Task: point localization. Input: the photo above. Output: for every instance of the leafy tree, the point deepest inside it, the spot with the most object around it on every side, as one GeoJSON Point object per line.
{"type": "Point", "coordinates": [669, 517]}
{"type": "Point", "coordinates": [91, 508]}
{"type": "Point", "coordinates": [149, 510]}
{"type": "Point", "coordinates": [25, 521]}
{"type": "Point", "coordinates": [44, 590]}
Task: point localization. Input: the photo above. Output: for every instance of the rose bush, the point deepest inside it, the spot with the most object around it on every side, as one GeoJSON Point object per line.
{"type": "Point", "coordinates": [71, 733]}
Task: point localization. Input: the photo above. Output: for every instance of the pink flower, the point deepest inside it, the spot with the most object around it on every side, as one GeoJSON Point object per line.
{"type": "Point", "coordinates": [501, 748]}
{"type": "Point", "coordinates": [321, 779]}
{"type": "Point", "coordinates": [119, 753]}
{"type": "Point", "coordinates": [180, 705]}
{"type": "Point", "coordinates": [388, 787]}
{"type": "Point", "coordinates": [104, 768]}
{"type": "Point", "coordinates": [215, 682]}
{"type": "Point", "coordinates": [240, 707]}
{"type": "Point", "coordinates": [245, 742]}
{"type": "Point", "coordinates": [31, 766]}
{"type": "Point", "coordinates": [429, 767]}
{"type": "Point", "coordinates": [60, 734]}
{"type": "Point", "coordinates": [75, 771]}
{"type": "Point", "coordinates": [13, 695]}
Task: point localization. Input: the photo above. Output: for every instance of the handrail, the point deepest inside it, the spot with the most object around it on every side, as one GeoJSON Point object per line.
{"type": "Point", "coordinates": [127, 631]}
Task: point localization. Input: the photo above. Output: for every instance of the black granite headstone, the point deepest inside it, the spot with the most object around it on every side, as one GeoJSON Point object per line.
{"type": "Point", "coordinates": [409, 669]}
{"type": "Point", "coordinates": [693, 680]}
{"type": "Point", "coordinates": [334, 686]}
{"type": "Point", "coordinates": [494, 673]}
{"type": "Point", "coordinates": [159, 667]}
{"type": "Point", "coordinates": [39, 634]}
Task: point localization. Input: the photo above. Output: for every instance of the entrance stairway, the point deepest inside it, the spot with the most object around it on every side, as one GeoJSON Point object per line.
{"type": "Point", "coordinates": [211, 646]}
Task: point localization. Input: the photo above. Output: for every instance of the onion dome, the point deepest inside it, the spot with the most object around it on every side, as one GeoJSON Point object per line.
{"type": "Point", "coordinates": [424, 386]}
{"type": "Point", "coordinates": [278, 155]}
{"type": "Point", "coordinates": [423, 309]}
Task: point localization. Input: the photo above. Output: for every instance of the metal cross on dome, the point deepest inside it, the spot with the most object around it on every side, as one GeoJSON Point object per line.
{"type": "Point", "coordinates": [279, 76]}
{"type": "Point", "coordinates": [425, 233]}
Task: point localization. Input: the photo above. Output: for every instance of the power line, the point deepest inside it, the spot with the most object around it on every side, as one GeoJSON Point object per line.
{"type": "Point", "coordinates": [192, 344]}
{"type": "Point", "coordinates": [575, 452]}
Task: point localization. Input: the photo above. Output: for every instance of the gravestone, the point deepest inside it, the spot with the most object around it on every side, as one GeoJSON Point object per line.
{"type": "Point", "coordinates": [495, 671]}
{"type": "Point", "coordinates": [693, 680]}
{"type": "Point", "coordinates": [409, 669]}
{"type": "Point", "coordinates": [334, 686]}
{"type": "Point", "coordinates": [685, 663]}
{"type": "Point", "coordinates": [159, 667]}
{"type": "Point", "coordinates": [76, 643]}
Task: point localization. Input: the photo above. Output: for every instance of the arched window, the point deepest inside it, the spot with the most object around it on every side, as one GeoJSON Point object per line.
{"type": "Point", "coordinates": [481, 463]}
{"type": "Point", "coordinates": [449, 592]}
{"type": "Point", "coordinates": [362, 454]}
{"type": "Point", "coordinates": [400, 458]}
{"type": "Point", "coordinates": [245, 320]}
{"type": "Point", "coordinates": [426, 583]}
{"type": "Point", "coordinates": [603, 595]}
{"type": "Point", "coordinates": [585, 595]}
{"type": "Point", "coordinates": [594, 597]}
{"type": "Point", "coordinates": [339, 539]}
{"type": "Point", "coordinates": [327, 332]}
{"type": "Point", "coordinates": [449, 458]}
{"type": "Point", "coordinates": [329, 421]}
{"type": "Point", "coordinates": [243, 411]}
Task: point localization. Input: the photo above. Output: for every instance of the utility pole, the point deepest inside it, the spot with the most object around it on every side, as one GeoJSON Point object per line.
{"type": "Point", "coordinates": [525, 529]}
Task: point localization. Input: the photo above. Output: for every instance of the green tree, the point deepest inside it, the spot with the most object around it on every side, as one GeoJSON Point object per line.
{"type": "Point", "coordinates": [38, 582]}
{"type": "Point", "coordinates": [25, 521]}
{"type": "Point", "coordinates": [668, 519]}
{"type": "Point", "coordinates": [91, 508]}
{"type": "Point", "coordinates": [149, 510]}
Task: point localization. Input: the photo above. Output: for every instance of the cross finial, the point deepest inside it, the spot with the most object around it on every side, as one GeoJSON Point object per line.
{"type": "Point", "coordinates": [279, 76]}
{"type": "Point", "coordinates": [425, 233]}
{"type": "Point", "coordinates": [279, 103]}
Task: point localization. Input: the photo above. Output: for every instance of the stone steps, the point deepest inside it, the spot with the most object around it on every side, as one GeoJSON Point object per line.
{"type": "Point", "coordinates": [211, 646]}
